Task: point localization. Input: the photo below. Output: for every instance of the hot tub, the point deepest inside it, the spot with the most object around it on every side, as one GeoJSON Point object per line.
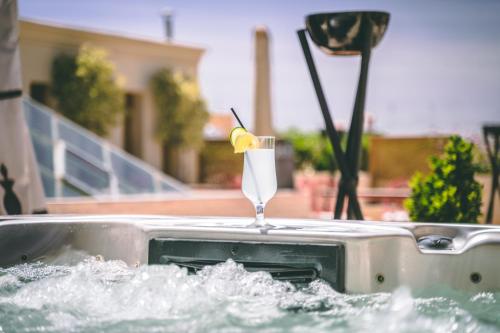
{"type": "Point", "coordinates": [154, 273]}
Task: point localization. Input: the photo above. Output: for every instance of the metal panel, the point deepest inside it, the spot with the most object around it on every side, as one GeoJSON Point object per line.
{"type": "Point", "coordinates": [294, 262]}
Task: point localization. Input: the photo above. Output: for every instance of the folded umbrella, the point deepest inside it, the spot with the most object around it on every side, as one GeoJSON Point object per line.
{"type": "Point", "coordinates": [21, 189]}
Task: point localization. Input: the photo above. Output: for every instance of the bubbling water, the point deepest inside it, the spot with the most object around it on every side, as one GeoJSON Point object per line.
{"type": "Point", "coordinates": [95, 296]}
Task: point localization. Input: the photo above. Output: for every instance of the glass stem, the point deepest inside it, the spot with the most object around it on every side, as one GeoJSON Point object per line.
{"type": "Point", "coordinates": [259, 209]}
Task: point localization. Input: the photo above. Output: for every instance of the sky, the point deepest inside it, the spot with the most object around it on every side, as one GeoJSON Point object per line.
{"type": "Point", "coordinates": [436, 71]}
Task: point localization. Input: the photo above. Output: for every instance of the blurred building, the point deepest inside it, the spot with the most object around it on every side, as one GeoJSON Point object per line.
{"type": "Point", "coordinates": [219, 126]}
{"type": "Point", "coordinates": [135, 59]}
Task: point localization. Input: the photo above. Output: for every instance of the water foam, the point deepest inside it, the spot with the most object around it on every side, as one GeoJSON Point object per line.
{"type": "Point", "coordinates": [96, 295]}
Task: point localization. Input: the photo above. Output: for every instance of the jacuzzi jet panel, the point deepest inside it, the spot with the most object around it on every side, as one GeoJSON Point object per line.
{"type": "Point", "coordinates": [292, 262]}
{"type": "Point", "coordinates": [294, 272]}
{"type": "Point", "coordinates": [435, 242]}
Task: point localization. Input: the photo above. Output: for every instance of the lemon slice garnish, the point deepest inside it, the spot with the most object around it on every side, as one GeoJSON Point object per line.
{"type": "Point", "coordinates": [244, 142]}
{"type": "Point", "coordinates": [236, 132]}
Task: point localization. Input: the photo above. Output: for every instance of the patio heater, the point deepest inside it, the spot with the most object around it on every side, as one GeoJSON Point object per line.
{"type": "Point", "coordinates": [345, 34]}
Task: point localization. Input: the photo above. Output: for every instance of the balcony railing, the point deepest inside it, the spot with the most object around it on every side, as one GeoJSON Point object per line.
{"type": "Point", "coordinates": [75, 162]}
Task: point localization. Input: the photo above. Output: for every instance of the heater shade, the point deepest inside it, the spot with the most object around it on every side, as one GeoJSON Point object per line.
{"type": "Point", "coordinates": [341, 33]}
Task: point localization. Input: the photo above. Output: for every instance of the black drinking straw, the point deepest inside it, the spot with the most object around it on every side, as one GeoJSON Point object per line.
{"type": "Point", "coordinates": [237, 118]}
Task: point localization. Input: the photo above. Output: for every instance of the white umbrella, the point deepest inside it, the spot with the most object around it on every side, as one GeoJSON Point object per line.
{"type": "Point", "coordinates": [21, 189]}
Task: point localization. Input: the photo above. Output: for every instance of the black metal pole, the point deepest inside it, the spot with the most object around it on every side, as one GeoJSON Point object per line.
{"type": "Point", "coordinates": [339, 204]}
{"type": "Point", "coordinates": [493, 156]}
{"type": "Point", "coordinates": [354, 141]}
{"type": "Point", "coordinates": [330, 128]}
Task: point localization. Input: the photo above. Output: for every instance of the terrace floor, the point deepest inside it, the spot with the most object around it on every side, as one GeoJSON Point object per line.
{"type": "Point", "coordinates": [286, 203]}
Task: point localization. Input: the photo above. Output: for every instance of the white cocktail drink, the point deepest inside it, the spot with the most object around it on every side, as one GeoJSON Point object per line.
{"type": "Point", "coordinates": [259, 176]}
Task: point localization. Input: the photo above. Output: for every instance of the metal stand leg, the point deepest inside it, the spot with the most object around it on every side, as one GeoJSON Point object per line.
{"type": "Point", "coordinates": [495, 168]}
{"type": "Point", "coordinates": [350, 187]}
{"type": "Point", "coordinates": [355, 138]}
{"type": "Point", "coordinates": [339, 205]}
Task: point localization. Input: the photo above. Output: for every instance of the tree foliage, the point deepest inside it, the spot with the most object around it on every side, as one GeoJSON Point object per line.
{"type": "Point", "coordinates": [313, 149]}
{"type": "Point", "coordinates": [86, 89]}
{"type": "Point", "coordinates": [449, 193]}
{"type": "Point", "coordinates": [181, 111]}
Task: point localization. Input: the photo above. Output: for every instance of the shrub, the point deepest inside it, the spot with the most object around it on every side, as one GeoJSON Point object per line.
{"type": "Point", "coordinates": [181, 111]}
{"type": "Point", "coordinates": [313, 149]}
{"type": "Point", "coordinates": [324, 158]}
{"type": "Point", "coordinates": [305, 146]}
{"type": "Point", "coordinates": [449, 193]}
{"type": "Point", "coordinates": [86, 90]}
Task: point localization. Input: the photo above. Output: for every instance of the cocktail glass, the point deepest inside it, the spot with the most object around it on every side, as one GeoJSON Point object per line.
{"type": "Point", "coordinates": [259, 176]}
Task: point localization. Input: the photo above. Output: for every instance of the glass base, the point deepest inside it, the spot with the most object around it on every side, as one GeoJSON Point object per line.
{"type": "Point", "coordinates": [261, 225]}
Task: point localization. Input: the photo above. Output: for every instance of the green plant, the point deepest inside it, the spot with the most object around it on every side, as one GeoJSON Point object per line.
{"type": "Point", "coordinates": [324, 158]}
{"type": "Point", "coordinates": [313, 149]}
{"type": "Point", "coordinates": [449, 193]}
{"type": "Point", "coordinates": [304, 146]}
{"type": "Point", "coordinates": [86, 89]}
{"type": "Point", "coordinates": [181, 111]}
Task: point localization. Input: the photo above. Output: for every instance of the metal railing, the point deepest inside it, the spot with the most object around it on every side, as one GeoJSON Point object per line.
{"type": "Point", "coordinates": [75, 162]}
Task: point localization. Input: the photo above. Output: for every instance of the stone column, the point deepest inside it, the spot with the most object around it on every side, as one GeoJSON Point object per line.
{"type": "Point", "coordinates": [262, 98]}
{"type": "Point", "coordinates": [151, 150]}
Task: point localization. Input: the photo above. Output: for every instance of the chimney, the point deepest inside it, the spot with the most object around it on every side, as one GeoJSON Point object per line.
{"type": "Point", "coordinates": [168, 15]}
{"type": "Point", "coordinates": [262, 94]}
